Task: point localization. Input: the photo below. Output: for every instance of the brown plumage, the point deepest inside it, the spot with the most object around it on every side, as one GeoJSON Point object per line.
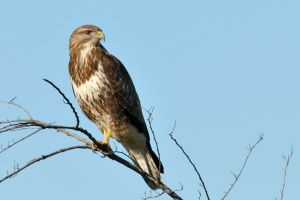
{"type": "Point", "coordinates": [106, 94]}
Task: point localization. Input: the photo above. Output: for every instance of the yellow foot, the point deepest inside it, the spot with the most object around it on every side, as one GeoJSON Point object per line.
{"type": "Point", "coordinates": [107, 135]}
{"type": "Point", "coordinates": [105, 142]}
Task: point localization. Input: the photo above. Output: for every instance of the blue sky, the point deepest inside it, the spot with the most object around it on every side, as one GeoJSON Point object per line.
{"type": "Point", "coordinates": [226, 71]}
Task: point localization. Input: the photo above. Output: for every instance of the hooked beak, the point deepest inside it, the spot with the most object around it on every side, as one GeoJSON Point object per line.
{"type": "Point", "coordinates": [100, 35]}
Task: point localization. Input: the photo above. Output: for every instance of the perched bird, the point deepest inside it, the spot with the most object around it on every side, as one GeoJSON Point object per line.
{"type": "Point", "coordinates": [107, 96]}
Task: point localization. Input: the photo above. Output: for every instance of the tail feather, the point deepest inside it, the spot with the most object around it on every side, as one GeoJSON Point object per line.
{"type": "Point", "coordinates": [157, 161]}
{"type": "Point", "coordinates": [148, 162]}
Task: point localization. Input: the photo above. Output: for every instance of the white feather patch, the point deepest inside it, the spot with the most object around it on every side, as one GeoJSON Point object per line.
{"type": "Point", "coordinates": [89, 90]}
{"type": "Point", "coordinates": [90, 87]}
{"type": "Point", "coordinates": [135, 143]}
{"type": "Point", "coordinates": [85, 52]}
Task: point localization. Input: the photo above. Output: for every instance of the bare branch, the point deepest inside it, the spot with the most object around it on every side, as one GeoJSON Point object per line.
{"type": "Point", "coordinates": [237, 176]}
{"type": "Point", "coordinates": [70, 134]}
{"type": "Point", "coordinates": [90, 143]}
{"type": "Point", "coordinates": [67, 100]}
{"type": "Point", "coordinates": [94, 145]}
{"type": "Point", "coordinates": [190, 161]}
{"type": "Point", "coordinates": [287, 162]}
{"type": "Point", "coordinates": [43, 157]}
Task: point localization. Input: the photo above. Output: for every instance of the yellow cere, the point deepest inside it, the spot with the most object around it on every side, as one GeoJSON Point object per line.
{"type": "Point", "coordinates": [100, 33]}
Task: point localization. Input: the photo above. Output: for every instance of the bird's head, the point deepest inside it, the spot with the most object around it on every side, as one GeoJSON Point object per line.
{"type": "Point", "coordinates": [86, 35]}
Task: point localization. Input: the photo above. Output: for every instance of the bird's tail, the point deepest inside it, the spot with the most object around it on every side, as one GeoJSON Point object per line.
{"type": "Point", "coordinates": [148, 162]}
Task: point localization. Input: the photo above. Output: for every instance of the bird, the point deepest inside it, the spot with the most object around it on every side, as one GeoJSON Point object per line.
{"type": "Point", "coordinates": [107, 96]}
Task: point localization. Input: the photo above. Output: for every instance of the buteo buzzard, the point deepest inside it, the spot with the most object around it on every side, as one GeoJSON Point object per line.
{"type": "Point", "coordinates": [107, 96]}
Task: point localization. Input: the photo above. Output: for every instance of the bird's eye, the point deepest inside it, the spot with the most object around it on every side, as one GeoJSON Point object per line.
{"type": "Point", "coordinates": [88, 32]}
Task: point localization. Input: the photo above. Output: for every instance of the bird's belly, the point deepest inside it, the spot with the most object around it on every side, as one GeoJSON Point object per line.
{"type": "Point", "coordinates": [97, 101]}
{"type": "Point", "coordinates": [92, 95]}
{"type": "Point", "coordinates": [99, 104]}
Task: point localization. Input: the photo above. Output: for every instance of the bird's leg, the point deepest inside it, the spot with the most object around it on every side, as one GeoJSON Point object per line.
{"type": "Point", "coordinates": [107, 135]}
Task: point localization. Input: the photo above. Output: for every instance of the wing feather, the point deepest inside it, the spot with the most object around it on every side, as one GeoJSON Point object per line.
{"type": "Point", "coordinates": [127, 98]}
{"type": "Point", "coordinates": [124, 91]}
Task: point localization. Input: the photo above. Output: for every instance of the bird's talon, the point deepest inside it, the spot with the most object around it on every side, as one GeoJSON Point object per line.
{"type": "Point", "coordinates": [106, 148]}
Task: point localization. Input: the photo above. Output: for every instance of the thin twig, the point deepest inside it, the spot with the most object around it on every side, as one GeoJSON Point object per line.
{"type": "Point", "coordinates": [190, 161]}
{"type": "Point", "coordinates": [287, 162]}
{"type": "Point", "coordinates": [116, 151]}
{"type": "Point", "coordinates": [11, 102]}
{"type": "Point", "coordinates": [13, 127]}
{"type": "Point", "coordinates": [237, 176]}
{"type": "Point", "coordinates": [124, 154]}
{"type": "Point", "coordinates": [24, 123]}
{"type": "Point", "coordinates": [158, 194]}
{"type": "Point", "coordinates": [20, 140]}
{"type": "Point", "coordinates": [150, 112]}
{"type": "Point", "coordinates": [66, 99]}
{"type": "Point", "coordinates": [43, 157]}
{"type": "Point", "coordinates": [152, 196]}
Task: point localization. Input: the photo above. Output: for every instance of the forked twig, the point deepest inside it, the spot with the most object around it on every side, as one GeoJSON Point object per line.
{"type": "Point", "coordinates": [190, 161]}
{"type": "Point", "coordinates": [12, 102]}
{"type": "Point", "coordinates": [287, 162]}
{"type": "Point", "coordinates": [237, 176]}
{"type": "Point", "coordinates": [149, 119]}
